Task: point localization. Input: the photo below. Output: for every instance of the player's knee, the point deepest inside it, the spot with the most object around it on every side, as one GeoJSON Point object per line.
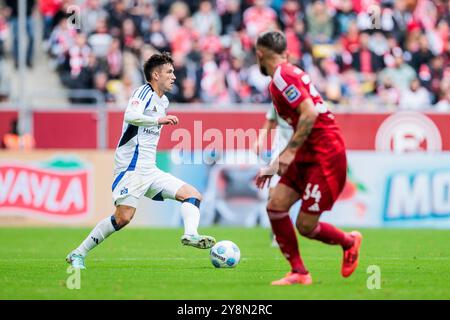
{"type": "Point", "coordinates": [193, 193]}
{"type": "Point", "coordinates": [122, 221]}
{"type": "Point", "coordinates": [188, 192]}
{"type": "Point", "coordinates": [305, 228]}
{"type": "Point", "coordinates": [124, 215]}
{"type": "Point", "coordinates": [197, 195]}
{"type": "Point", "coordinates": [276, 205]}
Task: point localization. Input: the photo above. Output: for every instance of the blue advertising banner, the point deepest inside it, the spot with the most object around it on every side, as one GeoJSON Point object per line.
{"type": "Point", "coordinates": [395, 190]}
{"type": "Point", "coordinates": [382, 190]}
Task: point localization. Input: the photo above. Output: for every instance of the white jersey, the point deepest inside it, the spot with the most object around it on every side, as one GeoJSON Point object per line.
{"type": "Point", "coordinates": [283, 132]}
{"type": "Point", "coordinates": [136, 150]}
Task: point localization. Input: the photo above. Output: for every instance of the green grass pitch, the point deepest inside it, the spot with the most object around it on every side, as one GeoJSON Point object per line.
{"type": "Point", "coordinates": [152, 264]}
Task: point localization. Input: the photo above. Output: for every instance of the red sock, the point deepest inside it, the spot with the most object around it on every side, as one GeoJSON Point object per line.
{"type": "Point", "coordinates": [329, 234]}
{"type": "Point", "coordinates": [287, 239]}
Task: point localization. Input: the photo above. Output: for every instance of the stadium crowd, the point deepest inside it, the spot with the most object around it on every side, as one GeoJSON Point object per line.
{"type": "Point", "coordinates": [362, 53]}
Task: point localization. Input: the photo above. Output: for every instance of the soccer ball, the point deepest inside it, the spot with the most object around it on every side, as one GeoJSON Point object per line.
{"type": "Point", "coordinates": [225, 254]}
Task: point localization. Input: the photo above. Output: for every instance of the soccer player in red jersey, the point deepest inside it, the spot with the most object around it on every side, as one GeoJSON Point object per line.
{"type": "Point", "coordinates": [312, 167]}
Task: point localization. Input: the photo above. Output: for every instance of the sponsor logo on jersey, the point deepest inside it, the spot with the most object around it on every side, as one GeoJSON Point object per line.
{"type": "Point", "coordinates": [124, 191]}
{"type": "Point", "coordinates": [291, 93]}
{"type": "Point", "coordinates": [150, 131]}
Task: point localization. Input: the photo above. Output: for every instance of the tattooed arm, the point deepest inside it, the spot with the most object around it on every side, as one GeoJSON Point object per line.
{"type": "Point", "coordinates": [308, 116]}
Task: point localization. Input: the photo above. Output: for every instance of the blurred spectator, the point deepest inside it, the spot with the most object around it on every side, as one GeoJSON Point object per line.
{"type": "Point", "coordinates": [156, 37]}
{"type": "Point", "coordinates": [439, 37]}
{"type": "Point", "coordinates": [114, 59]}
{"type": "Point", "coordinates": [100, 40]}
{"type": "Point", "coordinates": [101, 84]}
{"type": "Point", "coordinates": [116, 17]}
{"type": "Point", "coordinates": [365, 60]}
{"type": "Point", "coordinates": [90, 14]}
{"type": "Point", "coordinates": [189, 91]}
{"type": "Point", "coordinates": [179, 11]}
{"type": "Point", "coordinates": [195, 55]}
{"type": "Point", "coordinates": [235, 77]}
{"type": "Point", "coordinates": [432, 74]}
{"type": "Point", "coordinates": [14, 21]}
{"type": "Point", "coordinates": [3, 36]}
{"type": "Point", "coordinates": [205, 20]}
{"type": "Point", "coordinates": [401, 74]}
{"type": "Point", "coordinates": [212, 84]}
{"type": "Point", "coordinates": [143, 13]}
{"type": "Point", "coordinates": [290, 13]}
{"type": "Point", "coordinates": [14, 141]}
{"type": "Point", "coordinates": [258, 18]}
{"type": "Point", "coordinates": [180, 72]}
{"type": "Point", "coordinates": [122, 89]}
{"type": "Point", "coordinates": [319, 23]}
{"type": "Point", "coordinates": [303, 41]}
{"type": "Point", "coordinates": [231, 19]}
{"type": "Point", "coordinates": [420, 53]}
{"type": "Point", "coordinates": [294, 46]}
{"type": "Point", "coordinates": [184, 37]}
{"type": "Point", "coordinates": [331, 88]}
{"type": "Point", "coordinates": [379, 44]}
{"type": "Point", "coordinates": [84, 79]}
{"type": "Point", "coordinates": [130, 37]}
{"type": "Point", "coordinates": [3, 31]}
{"type": "Point", "coordinates": [211, 42]}
{"type": "Point", "coordinates": [79, 55]}
{"type": "Point", "coordinates": [350, 40]}
{"type": "Point", "coordinates": [389, 95]}
{"type": "Point", "coordinates": [61, 40]}
{"type": "Point", "coordinates": [415, 97]}
{"type": "Point", "coordinates": [444, 102]}
{"type": "Point", "coordinates": [343, 18]}
{"type": "Point", "coordinates": [352, 95]}
{"type": "Point", "coordinates": [48, 10]}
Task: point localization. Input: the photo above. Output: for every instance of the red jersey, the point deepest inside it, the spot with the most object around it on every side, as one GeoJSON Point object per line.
{"type": "Point", "coordinates": [289, 87]}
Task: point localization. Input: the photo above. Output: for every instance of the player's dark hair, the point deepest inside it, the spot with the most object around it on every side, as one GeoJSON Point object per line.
{"type": "Point", "coordinates": [273, 40]}
{"type": "Point", "coordinates": [156, 60]}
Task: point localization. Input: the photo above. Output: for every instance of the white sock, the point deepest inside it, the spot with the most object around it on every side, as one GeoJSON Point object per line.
{"type": "Point", "coordinates": [101, 231]}
{"type": "Point", "coordinates": [191, 218]}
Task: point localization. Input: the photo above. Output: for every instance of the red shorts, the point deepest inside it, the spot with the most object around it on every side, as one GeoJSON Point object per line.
{"type": "Point", "coordinates": [318, 183]}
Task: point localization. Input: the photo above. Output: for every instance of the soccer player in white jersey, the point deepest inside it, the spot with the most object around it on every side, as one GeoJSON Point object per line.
{"type": "Point", "coordinates": [283, 134]}
{"type": "Point", "coordinates": [136, 173]}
